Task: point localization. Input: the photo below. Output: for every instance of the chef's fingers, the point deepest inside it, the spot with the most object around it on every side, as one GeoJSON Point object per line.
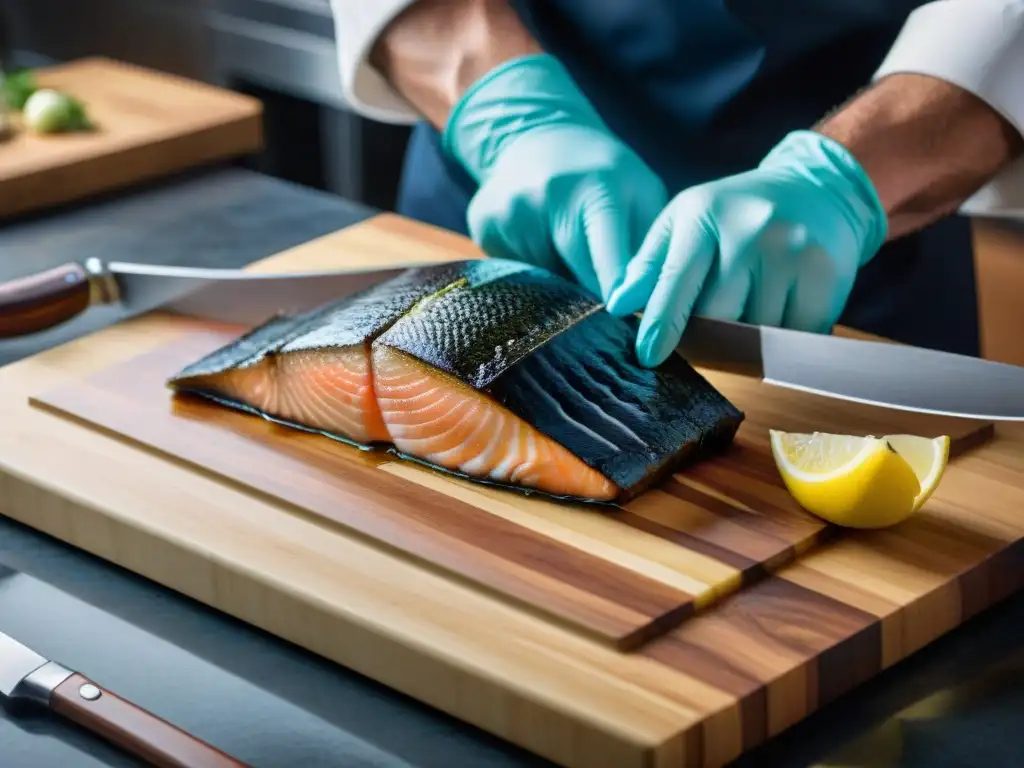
{"type": "Point", "coordinates": [820, 291]}
{"type": "Point", "coordinates": [506, 228]}
{"type": "Point", "coordinates": [772, 263]}
{"type": "Point", "coordinates": [691, 254]}
{"type": "Point", "coordinates": [643, 269]}
{"type": "Point", "coordinates": [607, 240]}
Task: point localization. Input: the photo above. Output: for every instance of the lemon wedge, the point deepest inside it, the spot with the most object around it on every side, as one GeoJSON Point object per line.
{"type": "Point", "coordinates": [860, 482]}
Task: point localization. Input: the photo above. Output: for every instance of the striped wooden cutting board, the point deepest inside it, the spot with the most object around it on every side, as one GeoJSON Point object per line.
{"type": "Point", "coordinates": [622, 576]}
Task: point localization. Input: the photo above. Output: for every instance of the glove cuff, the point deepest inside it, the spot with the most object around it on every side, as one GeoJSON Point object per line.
{"type": "Point", "coordinates": [831, 167]}
{"type": "Point", "coordinates": [521, 94]}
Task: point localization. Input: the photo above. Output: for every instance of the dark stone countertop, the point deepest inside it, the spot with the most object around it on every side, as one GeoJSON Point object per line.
{"type": "Point", "coordinates": [274, 705]}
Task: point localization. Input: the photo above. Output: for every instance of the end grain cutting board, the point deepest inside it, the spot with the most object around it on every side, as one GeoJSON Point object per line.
{"type": "Point", "coordinates": [509, 612]}
{"type": "Point", "coordinates": [148, 124]}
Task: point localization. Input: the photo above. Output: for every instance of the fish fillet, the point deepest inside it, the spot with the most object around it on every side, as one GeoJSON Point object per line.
{"type": "Point", "coordinates": [493, 370]}
{"type": "Point", "coordinates": [433, 416]}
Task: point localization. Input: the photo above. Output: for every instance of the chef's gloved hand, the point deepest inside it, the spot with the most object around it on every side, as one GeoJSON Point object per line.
{"type": "Point", "coordinates": [778, 245]}
{"type": "Point", "coordinates": [557, 189]}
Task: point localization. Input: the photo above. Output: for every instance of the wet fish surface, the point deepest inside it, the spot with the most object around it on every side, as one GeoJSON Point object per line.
{"type": "Point", "coordinates": [493, 370]}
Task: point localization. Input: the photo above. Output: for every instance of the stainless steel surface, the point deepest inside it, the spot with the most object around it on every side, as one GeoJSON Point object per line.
{"type": "Point", "coordinates": [277, 51]}
{"type": "Point", "coordinates": [289, 43]}
{"type": "Point", "coordinates": [236, 296]}
{"type": "Point", "coordinates": [876, 373]}
{"type": "Point", "coordinates": [40, 684]}
{"type": "Point", "coordinates": [89, 692]}
{"type": "Point", "coordinates": [16, 663]}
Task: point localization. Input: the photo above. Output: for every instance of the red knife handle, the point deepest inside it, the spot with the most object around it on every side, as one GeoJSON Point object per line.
{"type": "Point", "coordinates": [37, 302]}
{"type": "Point", "coordinates": [133, 728]}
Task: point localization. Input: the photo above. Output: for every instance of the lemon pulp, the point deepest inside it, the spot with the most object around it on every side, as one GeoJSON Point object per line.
{"type": "Point", "coordinates": [928, 458]}
{"type": "Point", "coordinates": [860, 482]}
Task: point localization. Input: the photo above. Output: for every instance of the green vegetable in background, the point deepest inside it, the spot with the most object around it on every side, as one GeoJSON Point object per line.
{"type": "Point", "coordinates": [18, 86]}
{"type": "Point", "coordinates": [50, 111]}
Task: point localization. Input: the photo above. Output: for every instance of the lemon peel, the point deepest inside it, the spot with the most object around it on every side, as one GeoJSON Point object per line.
{"type": "Point", "coordinates": [860, 482]}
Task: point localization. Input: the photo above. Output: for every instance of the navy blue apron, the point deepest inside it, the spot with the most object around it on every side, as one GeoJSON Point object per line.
{"type": "Point", "coordinates": [705, 88]}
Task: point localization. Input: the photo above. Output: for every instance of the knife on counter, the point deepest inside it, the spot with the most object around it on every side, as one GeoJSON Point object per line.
{"type": "Point", "coordinates": [27, 676]}
{"type": "Point", "coordinates": [871, 372]}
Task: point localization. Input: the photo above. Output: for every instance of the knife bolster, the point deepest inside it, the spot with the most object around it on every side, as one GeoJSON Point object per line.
{"type": "Point", "coordinates": [38, 685]}
{"type": "Point", "coordinates": [103, 287]}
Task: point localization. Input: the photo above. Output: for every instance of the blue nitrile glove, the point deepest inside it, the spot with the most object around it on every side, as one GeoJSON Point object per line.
{"type": "Point", "coordinates": [557, 189]}
{"type": "Point", "coordinates": [778, 245]}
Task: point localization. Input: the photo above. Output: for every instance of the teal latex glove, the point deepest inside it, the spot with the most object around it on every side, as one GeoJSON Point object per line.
{"type": "Point", "coordinates": [778, 245]}
{"type": "Point", "coordinates": [557, 189]}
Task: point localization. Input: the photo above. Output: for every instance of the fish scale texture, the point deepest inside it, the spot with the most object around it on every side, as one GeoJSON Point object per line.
{"type": "Point", "coordinates": [477, 332]}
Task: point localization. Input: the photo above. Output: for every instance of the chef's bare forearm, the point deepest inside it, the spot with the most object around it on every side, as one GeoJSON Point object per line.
{"type": "Point", "coordinates": [435, 49]}
{"type": "Point", "coordinates": [927, 145]}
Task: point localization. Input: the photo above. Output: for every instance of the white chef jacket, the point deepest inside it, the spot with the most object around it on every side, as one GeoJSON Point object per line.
{"type": "Point", "coordinates": [977, 45]}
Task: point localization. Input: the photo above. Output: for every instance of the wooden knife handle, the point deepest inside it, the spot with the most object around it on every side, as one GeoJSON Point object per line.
{"type": "Point", "coordinates": [34, 303]}
{"type": "Point", "coordinates": [133, 728]}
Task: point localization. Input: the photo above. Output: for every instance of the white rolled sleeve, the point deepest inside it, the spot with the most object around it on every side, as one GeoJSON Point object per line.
{"type": "Point", "coordinates": [977, 45]}
{"type": "Point", "coordinates": [357, 25]}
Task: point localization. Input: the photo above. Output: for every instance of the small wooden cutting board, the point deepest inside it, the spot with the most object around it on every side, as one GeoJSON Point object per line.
{"type": "Point", "coordinates": [745, 667]}
{"type": "Point", "coordinates": [147, 124]}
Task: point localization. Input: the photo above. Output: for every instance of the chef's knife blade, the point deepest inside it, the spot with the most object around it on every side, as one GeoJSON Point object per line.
{"type": "Point", "coordinates": [17, 663]}
{"type": "Point", "coordinates": [235, 296]}
{"type": "Point", "coordinates": [25, 675]}
{"type": "Point", "coordinates": [872, 372]}
{"type": "Point", "coordinates": [38, 302]}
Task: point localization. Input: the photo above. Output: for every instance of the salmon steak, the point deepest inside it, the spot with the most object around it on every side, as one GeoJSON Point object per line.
{"type": "Point", "coordinates": [493, 370]}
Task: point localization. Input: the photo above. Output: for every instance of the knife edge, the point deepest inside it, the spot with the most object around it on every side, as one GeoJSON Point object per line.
{"type": "Point", "coordinates": [832, 395]}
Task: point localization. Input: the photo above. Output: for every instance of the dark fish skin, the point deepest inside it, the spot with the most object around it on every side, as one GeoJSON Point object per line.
{"type": "Point", "coordinates": [356, 319]}
{"type": "Point", "coordinates": [544, 349]}
{"type": "Point", "coordinates": [586, 390]}
{"type": "Point", "coordinates": [540, 345]}
{"type": "Point", "coordinates": [247, 350]}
